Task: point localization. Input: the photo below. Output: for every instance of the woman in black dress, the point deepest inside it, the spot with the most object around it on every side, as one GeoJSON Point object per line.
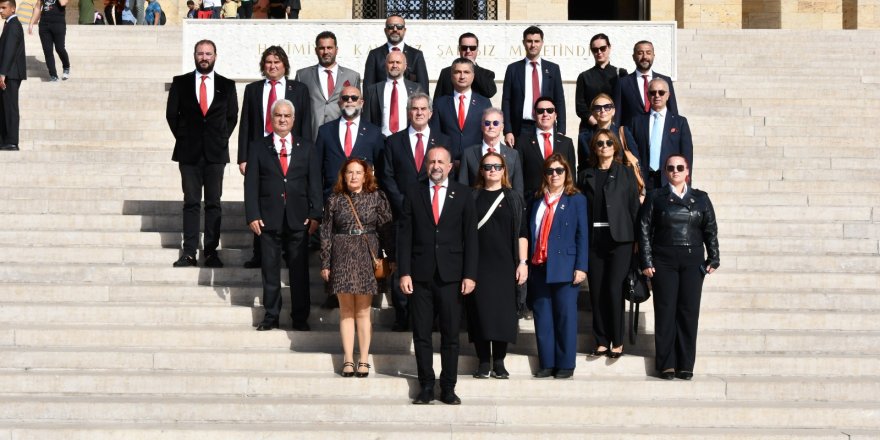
{"type": "Point", "coordinates": [492, 308]}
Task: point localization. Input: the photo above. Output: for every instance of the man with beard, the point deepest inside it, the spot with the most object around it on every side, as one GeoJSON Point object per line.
{"type": "Point", "coordinates": [325, 81]}
{"type": "Point", "coordinates": [601, 78]}
{"type": "Point", "coordinates": [437, 258]}
{"type": "Point", "coordinates": [631, 94]}
{"type": "Point", "coordinates": [384, 101]}
{"type": "Point", "coordinates": [374, 71]}
{"type": "Point", "coordinates": [484, 79]}
{"type": "Point", "coordinates": [256, 119]}
{"type": "Point", "coordinates": [202, 111]}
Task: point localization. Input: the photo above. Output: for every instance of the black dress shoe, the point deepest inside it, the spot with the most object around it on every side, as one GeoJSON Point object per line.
{"type": "Point", "coordinates": [185, 261]}
{"type": "Point", "coordinates": [615, 354]}
{"type": "Point", "coordinates": [253, 263]}
{"type": "Point", "coordinates": [448, 397]}
{"type": "Point", "coordinates": [563, 374]}
{"type": "Point", "coordinates": [684, 375]}
{"type": "Point", "coordinates": [597, 353]}
{"type": "Point", "coordinates": [667, 374]}
{"type": "Point", "coordinates": [400, 327]}
{"type": "Point", "coordinates": [301, 326]}
{"type": "Point", "coordinates": [482, 371]}
{"type": "Point", "coordinates": [426, 395]}
{"type": "Point", "coordinates": [213, 261]}
{"type": "Point", "coordinates": [265, 327]}
{"type": "Point", "coordinates": [9, 147]}
{"type": "Point", "coordinates": [544, 372]}
{"type": "Point", "coordinates": [499, 372]}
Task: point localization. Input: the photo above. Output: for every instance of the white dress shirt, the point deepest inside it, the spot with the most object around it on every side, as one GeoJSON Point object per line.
{"type": "Point", "coordinates": [683, 191]}
{"type": "Point", "coordinates": [279, 94]}
{"type": "Point", "coordinates": [401, 106]}
{"type": "Point", "coordinates": [209, 86]}
{"type": "Point", "coordinates": [322, 78]}
{"type": "Point", "coordinates": [485, 150]}
{"type": "Point", "coordinates": [528, 98]}
{"type": "Point", "coordinates": [443, 187]}
{"type": "Point", "coordinates": [542, 208]}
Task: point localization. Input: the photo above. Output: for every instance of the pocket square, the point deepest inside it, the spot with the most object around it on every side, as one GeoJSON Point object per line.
{"type": "Point", "coordinates": [346, 84]}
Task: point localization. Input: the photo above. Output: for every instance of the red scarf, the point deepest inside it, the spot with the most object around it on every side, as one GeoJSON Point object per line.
{"type": "Point", "coordinates": [540, 255]}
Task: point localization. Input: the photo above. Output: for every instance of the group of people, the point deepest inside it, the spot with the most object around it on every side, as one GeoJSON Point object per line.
{"type": "Point", "coordinates": [478, 207]}
{"type": "Point", "coordinates": [243, 9]}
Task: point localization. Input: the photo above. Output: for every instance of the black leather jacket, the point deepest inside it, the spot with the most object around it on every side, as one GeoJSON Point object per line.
{"type": "Point", "coordinates": [666, 220]}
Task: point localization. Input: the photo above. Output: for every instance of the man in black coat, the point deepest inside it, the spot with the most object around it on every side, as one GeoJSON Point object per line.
{"type": "Point", "coordinates": [282, 200]}
{"type": "Point", "coordinates": [384, 102]}
{"type": "Point", "coordinates": [459, 115]}
{"type": "Point", "coordinates": [13, 70]}
{"type": "Point", "coordinates": [202, 111]}
{"type": "Point", "coordinates": [631, 94]}
{"type": "Point", "coordinates": [416, 71]}
{"type": "Point", "coordinates": [437, 258]}
{"type": "Point", "coordinates": [484, 79]}
{"type": "Point", "coordinates": [539, 144]}
{"type": "Point", "coordinates": [659, 134]}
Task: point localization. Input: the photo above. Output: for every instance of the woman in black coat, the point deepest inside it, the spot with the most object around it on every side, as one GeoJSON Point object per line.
{"type": "Point", "coordinates": [613, 197]}
{"type": "Point", "coordinates": [675, 223]}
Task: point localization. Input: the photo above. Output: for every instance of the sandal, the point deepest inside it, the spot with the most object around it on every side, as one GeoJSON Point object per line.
{"type": "Point", "coordinates": [347, 373]}
{"type": "Point", "coordinates": [363, 373]}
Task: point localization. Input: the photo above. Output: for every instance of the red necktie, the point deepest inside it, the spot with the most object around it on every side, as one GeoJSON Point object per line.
{"type": "Point", "coordinates": [283, 156]}
{"type": "Point", "coordinates": [269, 102]}
{"type": "Point", "coordinates": [491, 149]}
{"type": "Point", "coordinates": [461, 112]}
{"type": "Point", "coordinates": [536, 84]}
{"type": "Point", "coordinates": [435, 204]}
{"type": "Point", "coordinates": [395, 49]}
{"type": "Point", "coordinates": [203, 96]}
{"type": "Point", "coordinates": [394, 114]}
{"type": "Point", "coordinates": [330, 84]}
{"type": "Point", "coordinates": [348, 138]}
{"type": "Point", "coordinates": [647, 101]}
{"type": "Point", "coordinates": [548, 147]}
{"type": "Point", "coordinates": [420, 152]}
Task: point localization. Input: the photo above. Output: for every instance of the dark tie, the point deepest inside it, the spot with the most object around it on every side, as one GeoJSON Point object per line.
{"type": "Point", "coordinates": [330, 84]}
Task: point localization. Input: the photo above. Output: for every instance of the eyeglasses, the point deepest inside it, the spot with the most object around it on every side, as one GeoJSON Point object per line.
{"type": "Point", "coordinates": [673, 168]}
{"type": "Point", "coordinates": [598, 49]}
{"type": "Point", "coordinates": [607, 143]}
{"type": "Point", "coordinates": [492, 166]}
{"type": "Point", "coordinates": [391, 27]}
{"type": "Point", "coordinates": [467, 48]}
{"type": "Point", "coordinates": [551, 171]}
{"type": "Point", "coordinates": [349, 98]}
{"type": "Point", "coordinates": [603, 108]}
{"type": "Point", "coordinates": [541, 111]}
{"type": "Point", "coordinates": [492, 123]}
{"type": "Point", "coordinates": [656, 92]}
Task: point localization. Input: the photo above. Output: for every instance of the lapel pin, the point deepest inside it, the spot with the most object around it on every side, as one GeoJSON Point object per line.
{"type": "Point", "coordinates": [673, 130]}
{"type": "Point", "coordinates": [561, 206]}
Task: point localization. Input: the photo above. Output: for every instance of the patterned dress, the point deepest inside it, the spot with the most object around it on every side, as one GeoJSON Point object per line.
{"type": "Point", "coordinates": [347, 256]}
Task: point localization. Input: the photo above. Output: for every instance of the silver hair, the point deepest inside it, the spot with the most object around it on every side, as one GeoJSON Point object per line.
{"type": "Point", "coordinates": [419, 95]}
{"type": "Point", "coordinates": [493, 110]}
{"type": "Point", "coordinates": [661, 81]}
{"type": "Point", "coordinates": [283, 102]}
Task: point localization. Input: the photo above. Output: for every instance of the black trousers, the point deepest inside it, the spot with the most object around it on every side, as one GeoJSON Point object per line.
{"type": "Point", "coordinates": [490, 350]}
{"type": "Point", "coordinates": [194, 177]}
{"type": "Point", "coordinates": [9, 108]}
{"type": "Point", "coordinates": [609, 262]}
{"type": "Point", "coordinates": [652, 180]}
{"type": "Point", "coordinates": [444, 299]}
{"type": "Point", "coordinates": [678, 284]}
{"type": "Point", "coordinates": [294, 14]}
{"type": "Point", "coordinates": [295, 245]}
{"type": "Point", "coordinates": [53, 34]}
{"type": "Point", "coordinates": [246, 10]}
{"type": "Point", "coordinates": [399, 300]}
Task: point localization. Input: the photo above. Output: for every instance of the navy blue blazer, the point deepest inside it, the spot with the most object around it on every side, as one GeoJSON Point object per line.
{"type": "Point", "coordinates": [445, 119]}
{"type": "Point", "coordinates": [568, 246]}
{"type": "Point", "coordinates": [584, 152]}
{"type": "Point", "coordinates": [398, 170]}
{"type": "Point", "coordinates": [676, 139]}
{"type": "Point", "coordinates": [514, 93]}
{"type": "Point", "coordinates": [367, 143]}
{"type": "Point", "coordinates": [628, 100]}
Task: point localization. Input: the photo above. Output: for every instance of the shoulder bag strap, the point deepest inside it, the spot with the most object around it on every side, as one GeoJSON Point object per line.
{"type": "Point", "coordinates": [491, 210]}
{"type": "Point", "coordinates": [360, 226]}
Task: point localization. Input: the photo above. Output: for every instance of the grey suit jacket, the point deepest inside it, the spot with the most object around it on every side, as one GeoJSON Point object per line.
{"type": "Point", "coordinates": [470, 166]}
{"type": "Point", "coordinates": [326, 109]}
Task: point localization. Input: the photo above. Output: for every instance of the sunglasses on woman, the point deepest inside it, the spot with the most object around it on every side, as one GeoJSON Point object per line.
{"type": "Point", "coordinates": [492, 166]}
{"type": "Point", "coordinates": [606, 143]}
{"type": "Point", "coordinates": [673, 168]}
{"type": "Point", "coordinates": [492, 123]}
{"type": "Point", "coordinates": [603, 108]}
{"type": "Point", "coordinates": [551, 171]}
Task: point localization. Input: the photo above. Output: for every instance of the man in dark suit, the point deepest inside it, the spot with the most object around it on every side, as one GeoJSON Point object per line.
{"type": "Point", "coordinates": [437, 258]}
{"type": "Point", "coordinates": [348, 136]}
{"type": "Point", "coordinates": [484, 79]}
{"type": "Point", "coordinates": [256, 122]}
{"type": "Point", "coordinates": [403, 167]}
{"type": "Point", "coordinates": [282, 200]}
{"type": "Point", "coordinates": [202, 111]}
{"type": "Point", "coordinates": [524, 82]}
{"type": "Point", "coordinates": [416, 71]}
{"type": "Point", "coordinates": [660, 134]}
{"type": "Point", "coordinates": [539, 144]}
{"type": "Point", "coordinates": [493, 141]}
{"type": "Point", "coordinates": [325, 81]}
{"type": "Point", "coordinates": [458, 115]}
{"type": "Point", "coordinates": [384, 102]}
{"type": "Point", "coordinates": [13, 70]}
{"type": "Point", "coordinates": [630, 93]}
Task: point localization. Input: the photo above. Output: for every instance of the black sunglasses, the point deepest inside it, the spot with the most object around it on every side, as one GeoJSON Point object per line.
{"type": "Point", "coordinates": [606, 143]}
{"type": "Point", "coordinates": [541, 111]}
{"type": "Point", "coordinates": [347, 98]}
{"type": "Point", "coordinates": [598, 49]}
{"type": "Point", "coordinates": [551, 171]}
{"type": "Point", "coordinates": [604, 107]}
{"type": "Point", "coordinates": [467, 48]}
{"type": "Point", "coordinates": [656, 92]}
{"type": "Point", "coordinates": [391, 27]}
{"type": "Point", "coordinates": [673, 168]}
{"type": "Point", "coordinates": [492, 123]}
{"type": "Point", "coordinates": [492, 166]}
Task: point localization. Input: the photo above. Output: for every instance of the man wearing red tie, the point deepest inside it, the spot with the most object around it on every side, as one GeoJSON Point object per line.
{"type": "Point", "coordinates": [282, 199]}
{"type": "Point", "coordinates": [385, 102]}
{"type": "Point", "coordinates": [202, 111]}
{"type": "Point", "coordinates": [539, 144]}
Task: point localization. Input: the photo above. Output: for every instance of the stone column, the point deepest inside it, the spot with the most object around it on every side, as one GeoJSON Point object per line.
{"type": "Point", "coordinates": [861, 14]}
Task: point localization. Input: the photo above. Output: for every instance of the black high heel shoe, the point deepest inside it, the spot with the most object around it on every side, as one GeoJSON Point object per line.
{"type": "Point", "coordinates": [347, 373]}
{"type": "Point", "coordinates": [615, 354]}
{"type": "Point", "coordinates": [363, 365]}
{"type": "Point", "coordinates": [598, 353]}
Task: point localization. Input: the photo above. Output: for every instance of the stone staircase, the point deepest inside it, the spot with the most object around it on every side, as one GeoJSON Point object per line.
{"type": "Point", "coordinates": [101, 338]}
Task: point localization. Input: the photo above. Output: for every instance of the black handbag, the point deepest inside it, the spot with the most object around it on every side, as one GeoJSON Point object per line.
{"type": "Point", "coordinates": [635, 290]}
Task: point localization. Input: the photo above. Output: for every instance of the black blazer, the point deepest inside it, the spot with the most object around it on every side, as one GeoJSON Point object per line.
{"type": "Point", "coordinates": [676, 139]}
{"type": "Point", "coordinates": [367, 143]}
{"type": "Point", "coordinates": [398, 170]}
{"type": "Point", "coordinates": [374, 95]}
{"type": "Point", "coordinates": [450, 247]}
{"type": "Point", "coordinates": [531, 153]}
{"type": "Point", "coordinates": [252, 119]}
{"type": "Point", "coordinates": [445, 118]}
{"type": "Point", "coordinates": [621, 199]}
{"type": "Point", "coordinates": [514, 93]}
{"type": "Point", "coordinates": [484, 82]}
{"type": "Point", "coordinates": [198, 135]}
{"type": "Point", "coordinates": [628, 100]}
{"type": "Point", "coordinates": [13, 64]}
{"type": "Point", "coordinates": [584, 152]}
{"type": "Point", "coordinates": [269, 195]}
{"type": "Point", "coordinates": [416, 71]}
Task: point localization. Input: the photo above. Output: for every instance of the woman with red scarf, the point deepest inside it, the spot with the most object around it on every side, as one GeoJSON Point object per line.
{"type": "Point", "coordinates": [558, 249]}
